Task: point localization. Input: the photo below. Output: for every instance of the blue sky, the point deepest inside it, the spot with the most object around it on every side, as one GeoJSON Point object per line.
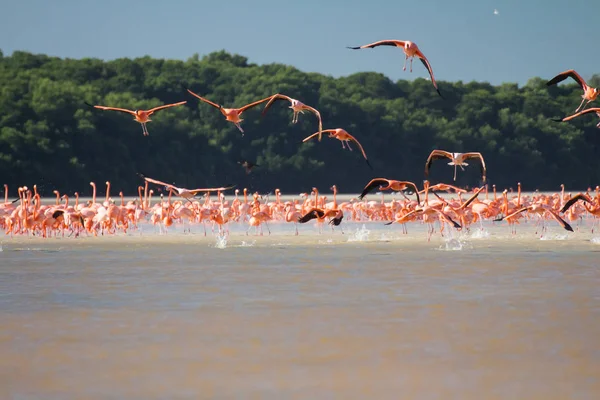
{"type": "Point", "coordinates": [463, 39]}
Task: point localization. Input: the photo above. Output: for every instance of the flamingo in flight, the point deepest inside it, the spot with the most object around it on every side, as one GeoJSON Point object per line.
{"type": "Point", "coordinates": [589, 93]}
{"type": "Point", "coordinates": [248, 165]}
{"type": "Point", "coordinates": [389, 184]}
{"type": "Point", "coordinates": [411, 50]}
{"type": "Point", "coordinates": [183, 192]}
{"type": "Point", "coordinates": [297, 106]}
{"type": "Point", "coordinates": [580, 113]}
{"type": "Point", "coordinates": [231, 114]}
{"type": "Point", "coordinates": [457, 159]}
{"type": "Point", "coordinates": [141, 116]}
{"type": "Point", "coordinates": [343, 136]}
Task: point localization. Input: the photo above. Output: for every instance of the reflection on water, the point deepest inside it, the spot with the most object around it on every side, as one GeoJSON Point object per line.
{"type": "Point", "coordinates": [372, 313]}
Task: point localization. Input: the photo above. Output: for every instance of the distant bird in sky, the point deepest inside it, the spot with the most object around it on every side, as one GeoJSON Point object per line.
{"type": "Point", "coordinates": [248, 165]}
{"type": "Point", "coordinates": [411, 50]}
{"type": "Point", "coordinates": [141, 116]}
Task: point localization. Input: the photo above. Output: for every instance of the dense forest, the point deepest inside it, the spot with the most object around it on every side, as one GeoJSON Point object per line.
{"type": "Point", "coordinates": [49, 137]}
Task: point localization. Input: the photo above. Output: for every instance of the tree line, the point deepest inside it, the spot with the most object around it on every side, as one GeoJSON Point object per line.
{"type": "Point", "coordinates": [49, 137]}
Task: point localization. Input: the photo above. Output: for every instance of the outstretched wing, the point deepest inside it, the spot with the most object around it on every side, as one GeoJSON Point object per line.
{"type": "Point", "coordinates": [273, 99]}
{"type": "Point", "coordinates": [477, 155]}
{"type": "Point", "coordinates": [395, 43]}
{"type": "Point", "coordinates": [566, 74]}
{"type": "Point", "coordinates": [318, 114]}
{"type": "Point", "coordinates": [427, 65]}
{"type": "Point", "coordinates": [375, 183]}
{"type": "Point", "coordinates": [215, 105]}
{"type": "Point", "coordinates": [580, 113]}
{"type": "Point", "coordinates": [520, 210]}
{"type": "Point", "coordinates": [573, 200]}
{"type": "Point", "coordinates": [471, 199]}
{"type": "Point", "coordinates": [312, 214]}
{"type": "Point", "coordinates": [219, 189]}
{"type": "Point", "coordinates": [153, 110]}
{"type": "Point", "coordinates": [124, 110]}
{"type": "Point", "coordinates": [158, 182]}
{"type": "Point", "coordinates": [436, 154]}
{"type": "Point", "coordinates": [317, 133]}
{"type": "Point", "coordinates": [247, 106]}
{"type": "Point", "coordinates": [558, 219]}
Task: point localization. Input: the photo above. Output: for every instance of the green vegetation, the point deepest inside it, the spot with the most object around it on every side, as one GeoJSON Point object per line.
{"type": "Point", "coordinates": [49, 136]}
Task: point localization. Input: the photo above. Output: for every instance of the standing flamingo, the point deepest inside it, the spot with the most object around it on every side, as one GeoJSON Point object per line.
{"type": "Point", "coordinates": [141, 116]}
{"type": "Point", "coordinates": [411, 50]}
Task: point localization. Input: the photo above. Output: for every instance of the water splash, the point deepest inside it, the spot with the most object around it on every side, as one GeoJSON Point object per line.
{"type": "Point", "coordinates": [480, 234]}
{"type": "Point", "coordinates": [595, 240]}
{"type": "Point", "coordinates": [554, 237]}
{"type": "Point", "coordinates": [360, 235]}
{"type": "Point", "coordinates": [222, 241]}
{"type": "Point", "coordinates": [1, 249]}
{"type": "Point", "coordinates": [248, 244]}
{"type": "Point", "coordinates": [328, 241]}
{"type": "Point", "coordinates": [384, 238]}
{"type": "Point", "coordinates": [455, 244]}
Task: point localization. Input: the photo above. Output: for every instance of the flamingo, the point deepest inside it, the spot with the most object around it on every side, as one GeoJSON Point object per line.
{"type": "Point", "coordinates": [141, 116]}
{"type": "Point", "coordinates": [248, 165]}
{"type": "Point", "coordinates": [589, 93]}
{"type": "Point", "coordinates": [587, 111]}
{"type": "Point", "coordinates": [389, 184]}
{"type": "Point", "coordinates": [458, 159]}
{"type": "Point", "coordinates": [411, 50]}
{"type": "Point", "coordinates": [183, 192]}
{"type": "Point", "coordinates": [297, 106]}
{"type": "Point", "coordinates": [343, 136]}
{"type": "Point", "coordinates": [231, 114]}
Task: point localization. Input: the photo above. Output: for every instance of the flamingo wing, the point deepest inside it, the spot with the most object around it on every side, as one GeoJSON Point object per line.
{"type": "Point", "coordinates": [254, 104]}
{"type": "Point", "coordinates": [575, 199]}
{"type": "Point", "coordinates": [361, 149]}
{"type": "Point", "coordinates": [219, 189]}
{"type": "Point", "coordinates": [558, 219]}
{"type": "Point", "coordinates": [273, 99]}
{"type": "Point", "coordinates": [372, 185]}
{"type": "Point", "coordinates": [480, 157]}
{"type": "Point", "coordinates": [156, 181]}
{"type": "Point", "coordinates": [317, 133]}
{"type": "Point", "coordinates": [580, 113]}
{"type": "Point", "coordinates": [520, 210]}
{"type": "Point", "coordinates": [312, 214]}
{"type": "Point", "coordinates": [566, 74]}
{"type": "Point", "coordinates": [113, 109]}
{"type": "Point", "coordinates": [395, 43]}
{"type": "Point", "coordinates": [153, 110]}
{"type": "Point", "coordinates": [425, 62]}
{"type": "Point", "coordinates": [218, 106]}
{"type": "Point", "coordinates": [317, 113]}
{"type": "Point", "coordinates": [471, 199]}
{"type": "Point", "coordinates": [436, 154]}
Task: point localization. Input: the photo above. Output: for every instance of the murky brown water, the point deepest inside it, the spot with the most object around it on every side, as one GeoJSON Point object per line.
{"type": "Point", "coordinates": [362, 315]}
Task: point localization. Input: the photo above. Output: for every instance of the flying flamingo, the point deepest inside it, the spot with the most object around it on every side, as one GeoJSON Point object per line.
{"type": "Point", "coordinates": [589, 93]}
{"type": "Point", "coordinates": [539, 209]}
{"type": "Point", "coordinates": [183, 192]}
{"type": "Point", "coordinates": [389, 184]}
{"type": "Point", "coordinates": [297, 106]}
{"type": "Point", "coordinates": [248, 165]}
{"type": "Point", "coordinates": [411, 50]}
{"type": "Point", "coordinates": [141, 116]}
{"type": "Point", "coordinates": [458, 159]}
{"type": "Point", "coordinates": [587, 111]}
{"type": "Point", "coordinates": [343, 136]}
{"type": "Point", "coordinates": [231, 114]}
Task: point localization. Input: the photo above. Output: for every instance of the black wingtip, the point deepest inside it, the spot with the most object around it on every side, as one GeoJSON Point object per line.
{"type": "Point", "coordinates": [440, 93]}
{"type": "Point", "coordinates": [369, 164]}
{"type": "Point", "coordinates": [389, 223]}
{"type": "Point", "coordinates": [568, 227]}
{"type": "Point", "coordinates": [498, 219]}
{"type": "Point", "coordinates": [353, 48]}
{"type": "Point", "coordinates": [89, 104]}
{"type": "Point", "coordinates": [557, 120]}
{"type": "Point", "coordinates": [141, 175]}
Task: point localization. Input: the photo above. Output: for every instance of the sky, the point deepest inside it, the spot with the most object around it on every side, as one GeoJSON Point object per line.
{"type": "Point", "coordinates": [464, 40]}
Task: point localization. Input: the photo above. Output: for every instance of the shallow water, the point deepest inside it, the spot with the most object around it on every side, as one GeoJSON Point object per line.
{"type": "Point", "coordinates": [368, 313]}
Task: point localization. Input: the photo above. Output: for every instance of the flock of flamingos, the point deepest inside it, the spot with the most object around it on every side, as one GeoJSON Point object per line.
{"type": "Point", "coordinates": [27, 215]}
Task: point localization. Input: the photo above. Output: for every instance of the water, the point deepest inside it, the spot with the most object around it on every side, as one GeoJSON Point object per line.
{"type": "Point", "coordinates": [371, 313]}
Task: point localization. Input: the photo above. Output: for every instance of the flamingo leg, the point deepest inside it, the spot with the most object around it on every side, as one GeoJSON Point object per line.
{"type": "Point", "coordinates": [411, 60]}
{"type": "Point", "coordinates": [404, 67]}
{"type": "Point", "coordinates": [455, 172]}
{"type": "Point", "coordinates": [580, 105]}
{"type": "Point", "coordinates": [239, 127]}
